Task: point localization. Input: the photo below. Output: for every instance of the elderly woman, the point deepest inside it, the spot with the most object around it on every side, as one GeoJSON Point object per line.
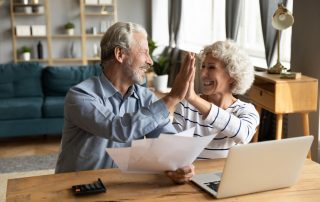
{"type": "Point", "coordinates": [226, 71]}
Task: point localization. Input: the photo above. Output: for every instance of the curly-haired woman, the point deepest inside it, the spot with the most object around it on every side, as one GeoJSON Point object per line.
{"type": "Point", "coordinates": [226, 71]}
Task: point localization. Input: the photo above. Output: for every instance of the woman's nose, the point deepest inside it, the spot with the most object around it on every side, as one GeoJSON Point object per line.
{"type": "Point", "coordinates": [203, 72]}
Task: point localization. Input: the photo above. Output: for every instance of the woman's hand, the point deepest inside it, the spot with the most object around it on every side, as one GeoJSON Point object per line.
{"type": "Point", "coordinates": [182, 80]}
{"type": "Point", "coordinates": [191, 94]}
{"type": "Point", "coordinates": [181, 83]}
{"type": "Point", "coordinates": [181, 175]}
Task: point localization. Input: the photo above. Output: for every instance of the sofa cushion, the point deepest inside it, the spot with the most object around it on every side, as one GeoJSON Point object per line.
{"type": "Point", "coordinates": [58, 80]}
{"type": "Point", "coordinates": [20, 108]}
{"type": "Point", "coordinates": [53, 106]}
{"type": "Point", "coordinates": [20, 80]}
{"type": "Point", "coordinates": [24, 127]}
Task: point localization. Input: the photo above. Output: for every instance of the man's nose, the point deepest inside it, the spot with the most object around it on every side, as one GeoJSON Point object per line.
{"type": "Point", "coordinates": [149, 60]}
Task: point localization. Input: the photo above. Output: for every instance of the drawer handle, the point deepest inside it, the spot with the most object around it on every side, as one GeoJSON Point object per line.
{"type": "Point", "coordinates": [260, 92]}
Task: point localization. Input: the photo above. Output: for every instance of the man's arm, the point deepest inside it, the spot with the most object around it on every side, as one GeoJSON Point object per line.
{"type": "Point", "coordinates": [90, 114]}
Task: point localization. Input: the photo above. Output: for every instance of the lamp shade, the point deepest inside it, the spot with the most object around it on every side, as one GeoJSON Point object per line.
{"type": "Point", "coordinates": [282, 18]}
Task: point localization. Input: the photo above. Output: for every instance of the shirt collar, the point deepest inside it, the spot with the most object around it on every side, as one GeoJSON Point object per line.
{"type": "Point", "coordinates": [110, 90]}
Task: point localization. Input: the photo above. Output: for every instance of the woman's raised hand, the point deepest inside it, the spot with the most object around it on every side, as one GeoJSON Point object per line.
{"type": "Point", "coordinates": [182, 81]}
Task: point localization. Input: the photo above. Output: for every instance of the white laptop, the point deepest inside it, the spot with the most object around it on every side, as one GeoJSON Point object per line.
{"type": "Point", "coordinates": [257, 167]}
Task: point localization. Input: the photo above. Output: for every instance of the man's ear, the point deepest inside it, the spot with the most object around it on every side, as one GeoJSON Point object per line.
{"type": "Point", "coordinates": [119, 54]}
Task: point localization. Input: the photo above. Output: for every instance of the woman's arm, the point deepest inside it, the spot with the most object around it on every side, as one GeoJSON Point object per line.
{"type": "Point", "coordinates": [240, 124]}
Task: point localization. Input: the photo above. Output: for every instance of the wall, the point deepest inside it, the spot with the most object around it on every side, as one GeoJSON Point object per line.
{"type": "Point", "coordinates": [138, 12]}
{"type": "Point", "coordinates": [5, 33]}
{"type": "Point", "coordinates": [305, 58]}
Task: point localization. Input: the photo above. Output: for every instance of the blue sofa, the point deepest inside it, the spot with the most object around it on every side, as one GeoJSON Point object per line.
{"type": "Point", "coordinates": [32, 97]}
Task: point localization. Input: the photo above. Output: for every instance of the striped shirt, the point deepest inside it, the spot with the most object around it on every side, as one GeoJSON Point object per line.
{"type": "Point", "coordinates": [235, 125]}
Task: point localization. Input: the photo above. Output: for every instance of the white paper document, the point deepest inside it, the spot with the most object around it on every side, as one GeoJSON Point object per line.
{"type": "Point", "coordinates": [168, 152]}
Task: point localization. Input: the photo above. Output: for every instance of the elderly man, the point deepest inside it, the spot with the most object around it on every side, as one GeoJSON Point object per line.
{"type": "Point", "coordinates": [112, 109]}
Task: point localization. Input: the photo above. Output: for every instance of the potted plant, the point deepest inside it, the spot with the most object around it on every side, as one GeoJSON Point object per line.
{"type": "Point", "coordinates": [160, 68]}
{"type": "Point", "coordinates": [69, 27]}
{"type": "Point", "coordinates": [26, 53]}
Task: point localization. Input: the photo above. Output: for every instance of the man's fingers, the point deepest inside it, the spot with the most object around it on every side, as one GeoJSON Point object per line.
{"type": "Point", "coordinates": [178, 177]}
{"type": "Point", "coordinates": [191, 72]}
{"type": "Point", "coordinates": [181, 175]}
{"type": "Point", "coordinates": [187, 169]}
{"type": "Point", "coordinates": [185, 62]}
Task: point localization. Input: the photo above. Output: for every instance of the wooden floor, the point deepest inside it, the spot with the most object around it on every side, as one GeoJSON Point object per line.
{"type": "Point", "coordinates": [27, 146]}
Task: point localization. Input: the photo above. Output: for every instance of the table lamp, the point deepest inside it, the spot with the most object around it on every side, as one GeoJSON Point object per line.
{"type": "Point", "coordinates": [281, 19]}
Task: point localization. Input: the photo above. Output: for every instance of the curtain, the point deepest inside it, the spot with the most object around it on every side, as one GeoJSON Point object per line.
{"type": "Point", "coordinates": [174, 21]}
{"type": "Point", "coordinates": [267, 8]}
{"type": "Point", "coordinates": [173, 53]}
{"type": "Point", "coordinates": [232, 18]}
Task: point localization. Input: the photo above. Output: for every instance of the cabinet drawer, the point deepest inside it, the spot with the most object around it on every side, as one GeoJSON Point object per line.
{"type": "Point", "coordinates": [262, 97]}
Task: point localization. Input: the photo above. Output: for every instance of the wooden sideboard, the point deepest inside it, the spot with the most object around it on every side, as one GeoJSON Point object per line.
{"type": "Point", "coordinates": [284, 96]}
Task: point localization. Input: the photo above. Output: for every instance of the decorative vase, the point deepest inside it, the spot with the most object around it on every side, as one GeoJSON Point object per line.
{"type": "Point", "coordinates": [160, 83]}
{"type": "Point", "coordinates": [72, 51]}
{"type": "Point", "coordinates": [26, 56]}
{"type": "Point", "coordinates": [95, 50]}
{"type": "Point", "coordinates": [70, 32]}
{"type": "Point", "coordinates": [40, 50]}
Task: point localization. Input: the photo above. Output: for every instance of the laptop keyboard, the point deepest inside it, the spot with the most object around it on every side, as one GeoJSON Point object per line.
{"type": "Point", "coordinates": [213, 185]}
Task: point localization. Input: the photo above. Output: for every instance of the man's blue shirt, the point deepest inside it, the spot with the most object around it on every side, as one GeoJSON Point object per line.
{"type": "Point", "coordinates": [97, 116]}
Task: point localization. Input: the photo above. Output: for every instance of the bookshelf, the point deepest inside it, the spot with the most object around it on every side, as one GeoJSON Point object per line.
{"type": "Point", "coordinates": [92, 22]}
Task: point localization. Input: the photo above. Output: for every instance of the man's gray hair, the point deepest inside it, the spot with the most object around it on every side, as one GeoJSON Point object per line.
{"type": "Point", "coordinates": [237, 61]}
{"type": "Point", "coordinates": [118, 35]}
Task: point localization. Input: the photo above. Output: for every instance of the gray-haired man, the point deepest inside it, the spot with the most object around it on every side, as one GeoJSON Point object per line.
{"type": "Point", "coordinates": [112, 109]}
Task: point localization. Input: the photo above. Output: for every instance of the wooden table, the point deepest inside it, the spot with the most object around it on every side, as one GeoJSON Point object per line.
{"type": "Point", "coordinates": [284, 96]}
{"type": "Point", "coordinates": [135, 187]}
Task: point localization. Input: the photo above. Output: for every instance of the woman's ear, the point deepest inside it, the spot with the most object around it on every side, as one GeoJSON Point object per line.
{"type": "Point", "coordinates": [232, 82]}
{"type": "Point", "coordinates": [119, 54]}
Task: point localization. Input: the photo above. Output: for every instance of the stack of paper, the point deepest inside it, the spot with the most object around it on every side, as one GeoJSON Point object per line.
{"type": "Point", "coordinates": [168, 152]}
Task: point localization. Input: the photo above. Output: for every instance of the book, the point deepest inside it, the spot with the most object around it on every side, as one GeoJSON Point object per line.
{"type": "Point", "coordinates": [290, 75]}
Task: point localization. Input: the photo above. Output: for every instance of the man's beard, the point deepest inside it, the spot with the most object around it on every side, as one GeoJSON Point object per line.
{"type": "Point", "coordinates": [135, 75]}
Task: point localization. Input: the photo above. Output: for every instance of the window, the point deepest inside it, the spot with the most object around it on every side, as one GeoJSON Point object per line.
{"type": "Point", "coordinates": [160, 30]}
{"type": "Point", "coordinates": [196, 28]}
{"type": "Point", "coordinates": [250, 36]}
{"type": "Point", "coordinates": [203, 23]}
